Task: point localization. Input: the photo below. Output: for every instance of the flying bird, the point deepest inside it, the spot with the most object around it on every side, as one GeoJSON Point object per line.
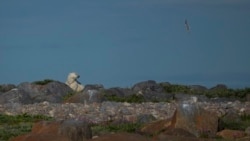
{"type": "Point", "coordinates": [187, 25]}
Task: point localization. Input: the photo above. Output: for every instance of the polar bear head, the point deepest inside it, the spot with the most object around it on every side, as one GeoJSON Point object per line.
{"type": "Point", "coordinates": [73, 83]}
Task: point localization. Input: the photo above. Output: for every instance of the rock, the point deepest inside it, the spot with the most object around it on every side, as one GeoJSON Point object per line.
{"type": "Point", "coordinates": [28, 93]}
{"type": "Point", "coordinates": [247, 130]}
{"type": "Point", "coordinates": [90, 94]}
{"type": "Point", "coordinates": [177, 132]}
{"type": "Point", "coordinates": [180, 97]}
{"type": "Point", "coordinates": [248, 97]}
{"type": "Point", "coordinates": [147, 87]}
{"type": "Point", "coordinates": [145, 118]}
{"type": "Point", "coordinates": [194, 119]}
{"type": "Point", "coordinates": [219, 87]}
{"type": "Point", "coordinates": [197, 88]}
{"type": "Point", "coordinates": [157, 97]}
{"type": "Point", "coordinates": [163, 137]}
{"type": "Point", "coordinates": [122, 137]}
{"type": "Point", "coordinates": [157, 127]}
{"type": "Point", "coordinates": [119, 92]}
{"type": "Point", "coordinates": [67, 130]}
{"type": "Point", "coordinates": [231, 118]}
{"type": "Point", "coordinates": [231, 134]}
{"type": "Point", "coordinates": [6, 87]}
{"type": "Point", "coordinates": [75, 130]}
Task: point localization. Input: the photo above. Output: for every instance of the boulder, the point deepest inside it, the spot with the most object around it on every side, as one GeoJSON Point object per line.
{"type": "Point", "coordinates": [90, 94]}
{"type": "Point", "coordinates": [156, 127]}
{"type": "Point", "coordinates": [147, 87]}
{"type": "Point", "coordinates": [68, 130]}
{"type": "Point", "coordinates": [29, 93]}
{"type": "Point", "coordinates": [194, 119]}
{"type": "Point", "coordinates": [158, 97]}
{"type": "Point", "coordinates": [231, 134]}
{"type": "Point", "coordinates": [6, 87]}
{"type": "Point", "coordinates": [145, 118]}
{"type": "Point", "coordinates": [119, 92]}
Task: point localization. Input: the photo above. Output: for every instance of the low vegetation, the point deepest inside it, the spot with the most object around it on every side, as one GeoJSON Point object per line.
{"type": "Point", "coordinates": [130, 99]}
{"type": "Point", "coordinates": [211, 93]}
{"type": "Point", "coordinates": [43, 82]}
{"type": "Point", "coordinates": [11, 126]}
{"type": "Point", "coordinates": [240, 124]}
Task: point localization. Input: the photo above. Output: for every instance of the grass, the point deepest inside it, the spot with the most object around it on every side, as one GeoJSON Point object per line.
{"type": "Point", "coordinates": [11, 126]}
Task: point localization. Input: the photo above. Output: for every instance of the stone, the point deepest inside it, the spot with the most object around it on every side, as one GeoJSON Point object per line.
{"type": "Point", "coordinates": [119, 92]}
{"type": "Point", "coordinates": [52, 92]}
{"type": "Point", "coordinates": [194, 119]}
{"type": "Point", "coordinates": [145, 118]}
{"type": "Point", "coordinates": [68, 130]}
{"type": "Point", "coordinates": [158, 126]}
{"type": "Point", "coordinates": [6, 87]}
{"type": "Point", "coordinates": [29, 93]}
{"type": "Point", "coordinates": [88, 96]}
{"type": "Point", "coordinates": [75, 130]}
{"type": "Point", "coordinates": [231, 134]}
{"type": "Point", "coordinates": [147, 86]}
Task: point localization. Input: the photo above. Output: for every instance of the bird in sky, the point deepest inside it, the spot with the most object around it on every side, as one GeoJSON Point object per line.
{"type": "Point", "coordinates": [187, 25]}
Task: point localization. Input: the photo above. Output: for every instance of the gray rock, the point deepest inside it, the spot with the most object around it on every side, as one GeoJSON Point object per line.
{"type": "Point", "coordinates": [145, 118]}
{"type": "Point", "coordinates": [147, 86]}
{"type": "Point", "coordinates": [28, 93]}
{"type": "Point", "coordinates": [157, 97]}
{"type": "Point", "coordinates": [6, 87]}
{"type": "Point", "coordinates": [119, 92]}
{"type": "Point", "coordinates": [75, 130]}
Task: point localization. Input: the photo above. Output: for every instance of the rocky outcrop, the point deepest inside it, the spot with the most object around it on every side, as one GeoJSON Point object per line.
{"type": "Point", "coordinates": [28, 93]}
{"type": "Point", "coordinates": [6, 87]}
{"type": "Point", "coordinates": [68, 130]}
{"type": "Point", "coordinates": [194, 119]}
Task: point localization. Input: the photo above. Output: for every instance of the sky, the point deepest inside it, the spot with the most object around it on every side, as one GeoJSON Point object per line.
{"type": "Point", "coordinates": [122, 42]}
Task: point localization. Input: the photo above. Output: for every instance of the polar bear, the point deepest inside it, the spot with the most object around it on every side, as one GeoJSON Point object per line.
{"type": "Point", "coordinates": [73, 83]}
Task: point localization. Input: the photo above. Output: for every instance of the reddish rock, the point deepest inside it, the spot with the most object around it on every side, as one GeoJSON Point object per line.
{"type": "Point", "coordinates": [68, 130]}
{"type": "Point", "coordinates": [194, 119]}
{"type": "Point", "coordinates": [231, 134]}
{"type": "Point", "coordinates": [156, 127]}
{"type": "Point", "coordinates": [122, 137]}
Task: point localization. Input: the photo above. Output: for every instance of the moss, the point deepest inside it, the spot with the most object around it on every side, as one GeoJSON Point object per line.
{"type": "Point", "coordinates": [43, 82]}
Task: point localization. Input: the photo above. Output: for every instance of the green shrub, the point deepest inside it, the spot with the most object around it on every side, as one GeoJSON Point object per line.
{"type": "Point", "coordinates": [43, 82]}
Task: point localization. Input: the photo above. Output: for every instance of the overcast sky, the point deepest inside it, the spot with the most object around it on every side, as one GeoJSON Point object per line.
{"type": "Point", "coordinates": [122, 42]}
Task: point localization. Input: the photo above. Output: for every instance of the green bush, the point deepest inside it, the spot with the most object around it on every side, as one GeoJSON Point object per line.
{"type": "Point", "coordinates": [43, 82]}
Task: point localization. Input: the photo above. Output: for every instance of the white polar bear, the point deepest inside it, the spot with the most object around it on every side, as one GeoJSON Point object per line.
{"type": "Point", "coordinates": [73, 83]}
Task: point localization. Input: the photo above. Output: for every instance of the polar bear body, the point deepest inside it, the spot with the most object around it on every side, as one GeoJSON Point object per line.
{"type": "Point", "coordinates": [73, 83]}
